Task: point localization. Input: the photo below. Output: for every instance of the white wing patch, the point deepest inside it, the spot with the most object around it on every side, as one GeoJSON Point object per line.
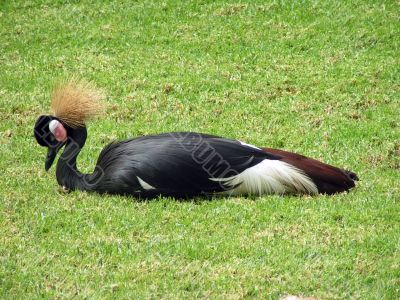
{"type": "Point", "coordinates": [269, 177]}
{"type": "Point", "coordinates": [249, 145]}
{"type": "Point", "coordinates": [144, 184]}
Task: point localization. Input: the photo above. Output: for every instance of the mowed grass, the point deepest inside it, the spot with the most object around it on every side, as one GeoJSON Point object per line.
{"type": "Point", "coordinates": [315, 77]}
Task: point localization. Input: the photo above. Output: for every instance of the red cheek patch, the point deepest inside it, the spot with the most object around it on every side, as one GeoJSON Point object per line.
{"type": "Point", "coordinates": [58, 130]}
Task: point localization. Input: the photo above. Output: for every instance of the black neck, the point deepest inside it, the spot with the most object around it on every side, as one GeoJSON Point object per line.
{"type": "Point", "coordinates": [67, 173]}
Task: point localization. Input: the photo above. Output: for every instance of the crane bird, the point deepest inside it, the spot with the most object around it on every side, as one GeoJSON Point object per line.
{"type": "Point", "coordinates": [178, 164]}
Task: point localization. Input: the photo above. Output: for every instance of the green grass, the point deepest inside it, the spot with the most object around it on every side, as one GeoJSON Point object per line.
{"type": "Point", "coordinates": [315, 77]}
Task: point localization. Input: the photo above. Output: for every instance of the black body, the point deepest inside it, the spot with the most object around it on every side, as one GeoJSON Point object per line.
{"type": "Point", "coordinates": [172, 164]}
{"type": "Point", "coordinates": [175, 164]}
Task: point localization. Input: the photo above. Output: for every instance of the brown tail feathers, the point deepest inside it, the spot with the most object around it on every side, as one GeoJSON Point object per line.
{"type": "Point", "coordinates": [328, 179]}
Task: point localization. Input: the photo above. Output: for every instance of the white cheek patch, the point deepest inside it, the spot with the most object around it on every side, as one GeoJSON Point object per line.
{"type": "Point", "coordinates": [52, 125]}
{"type": "Point", "coordinates": [58, 130]}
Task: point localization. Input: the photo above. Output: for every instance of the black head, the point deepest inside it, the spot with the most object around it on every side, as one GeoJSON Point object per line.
{"type": "Point", "coordinates": [46, 138]}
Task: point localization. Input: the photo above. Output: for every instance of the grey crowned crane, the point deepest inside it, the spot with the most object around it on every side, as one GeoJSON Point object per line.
{"type": "Point", "coordinates": [179, 164]}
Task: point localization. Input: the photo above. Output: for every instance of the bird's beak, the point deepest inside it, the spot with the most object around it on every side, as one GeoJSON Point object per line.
{"type": "Point", "coordinates": [51, 155]}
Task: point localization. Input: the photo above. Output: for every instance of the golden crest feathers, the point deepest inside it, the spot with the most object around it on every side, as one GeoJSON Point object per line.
{"type": "Point", "coordinates": [75, 102]}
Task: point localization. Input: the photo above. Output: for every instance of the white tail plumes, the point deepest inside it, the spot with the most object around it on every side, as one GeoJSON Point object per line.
{"type": "Point", "coordinates": [269, 177]}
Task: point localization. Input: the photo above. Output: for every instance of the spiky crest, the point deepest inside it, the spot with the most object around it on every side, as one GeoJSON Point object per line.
{"type": "Point", "coordinates": [75, 102]}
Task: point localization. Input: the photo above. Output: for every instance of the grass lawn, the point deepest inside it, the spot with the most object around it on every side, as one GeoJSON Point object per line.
{"type": "Point", "coordinates": [316, 77]}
